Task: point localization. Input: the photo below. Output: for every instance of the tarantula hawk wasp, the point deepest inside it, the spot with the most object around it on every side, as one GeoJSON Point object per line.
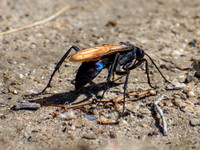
{"type": "Point", "coordinates": [119, 58]}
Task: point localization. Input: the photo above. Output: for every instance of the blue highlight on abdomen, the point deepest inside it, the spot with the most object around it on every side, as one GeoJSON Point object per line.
{"type": "Point", "coordinates": [99, 66]}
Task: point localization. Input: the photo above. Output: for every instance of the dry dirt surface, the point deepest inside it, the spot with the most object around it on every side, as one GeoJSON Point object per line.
{"type": "Point", "coordinates": [169, 31]}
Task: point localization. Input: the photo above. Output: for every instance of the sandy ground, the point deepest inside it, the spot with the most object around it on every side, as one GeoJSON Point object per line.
{"type": "Point", "coordinates": [168, 31]}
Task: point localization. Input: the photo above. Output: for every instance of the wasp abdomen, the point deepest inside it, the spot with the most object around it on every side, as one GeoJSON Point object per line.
{"type": "Point", "coordinates": [88, 71]}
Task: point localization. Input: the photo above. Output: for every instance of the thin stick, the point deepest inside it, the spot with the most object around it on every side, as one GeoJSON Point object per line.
{"type": "Point", "coordinates": [118, 100]}
{"type": "Point", "coordinates": [28, 106]}
{"type": "Point", "coordinates": [37, 22]}
{"type": "Point", "coordinates": [107, 122]}
{"type": "Point", "coordinates": [139, 94]}
{"type": "Point", "coordinates": [133, 94]}
{"type": "Point", "coordinates": [75, 106]}
{"type": "Point", "coordinates": [164, 124]}
{"type": "Point", "coordinates": [80, 105]}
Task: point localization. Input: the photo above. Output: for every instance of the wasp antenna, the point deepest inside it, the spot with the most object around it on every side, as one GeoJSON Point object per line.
{"type": "Point", "coordinates": [157, 68]}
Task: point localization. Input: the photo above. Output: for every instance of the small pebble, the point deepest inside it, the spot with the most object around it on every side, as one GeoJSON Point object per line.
{"type": "Point", "coordinates": [33, 45]}
{"type": "Point", "coordinates": [145, 111]}
{"type": "Point", "coordinates": [84, 121]}
{"type": "Point", "coordinates": [179, 103]}
{"type": "Point", "coordinates": [125, 123]}
{"type": "Point", "coordinates": [166, 103]}
{"type": "Point", "coordinates": [144, 125]}
{"type": "Point", "coordinates": [5, 91]}
{"type": "Point", "coordinates": [152, 92]}
{"type": "Point", "coordinates": [21, 76]}
{"type": "Point", "coordinates": [100, 93]}
{"type": "Point", "coordinates": [177, 52]}
{"type": "Point", "coordinates": [191, 94]}
{"type": "Point", "coordinates": [181, 77]}
{"type": "Point", "coordinates": [91, 117]}
{"type": "Point", "coordinates": [189, 103]}
{"type": "Point", "coordinates": [185, 109]}
{"type": "Point", "coordinates": [39, 35]}
{"type": "Point", "coordinates": [15, 91]}
{"type": "Point", "coordinates": [71, 136]}
{"type": "Point", "coordinates": [89, 136]}
{"type": "Point", "coordinates": [69, 115]}
{"type": "Point", "coordinates": [165, 66]}
{"type": "Point", "coordinates": [113, 134]}
{"type": "Point", "coordinates": [2, 116]}
{"type": "Point", "coordinates": [195, 122]}
{"type": "Point", "coordinates": [78, 124]}
{"type": "Point", "coordinates": [73, 127]}
{"type": "Point", "coordinates": [175, 86]}
{"type": "Point", "coordinates": [193, 43]}
{"type": "Point", "coordinates": [188, 79]}
{"type": "Point", "coordinates": [11, 89]}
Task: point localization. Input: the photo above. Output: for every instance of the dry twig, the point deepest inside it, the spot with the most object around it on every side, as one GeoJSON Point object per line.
{"type": "Point", "coordinates": [147, 92]}
{"type": "Point", "coordinates": [37, 22]}
{"type": "Point", "coordinates": [28, 106]}
{"type": "Point", "coordinates": [75, 106]}
{"type": "Point", "coordinates": [107, 122]}
{"type": "Point", "coordinates": [164, 124]}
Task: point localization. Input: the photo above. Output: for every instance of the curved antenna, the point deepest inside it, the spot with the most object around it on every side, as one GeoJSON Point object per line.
{"type": "Point", "coordinates": [157, 68]}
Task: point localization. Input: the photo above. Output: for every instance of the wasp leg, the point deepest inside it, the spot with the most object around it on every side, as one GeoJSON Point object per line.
{"type": "Point", "coordinates": [111, 72]}
{"type": "Point", "coordinates": [147, 72]}
{"type": "Point", "coordinates": [59, 64]}
{"type": "Point", "coordinates": [157, 68]}
{"type": "Point", "coordinates": [147, 69]}
{"type": "Point", "coordinates": [126, 68]}
{"type": "Point", "coordinates": [125, 86]}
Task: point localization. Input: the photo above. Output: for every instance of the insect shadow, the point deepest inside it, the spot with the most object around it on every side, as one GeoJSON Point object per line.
{"type": "Point", "coordinates": [71, 96]}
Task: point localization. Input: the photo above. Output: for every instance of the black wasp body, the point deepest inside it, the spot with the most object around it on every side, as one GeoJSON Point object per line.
{"type": "Point", "coordinates": [119, 59]}
{"type": "Point", "coordinates": [123, 59]}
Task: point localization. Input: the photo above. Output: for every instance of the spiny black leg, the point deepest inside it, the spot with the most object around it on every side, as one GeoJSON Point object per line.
{"type": "Point", "coordinates": [126, 68]}
{"type": "Point", "coordinates": [147, 69]}
{"type": "Point", "coordinates": [125, 86]}
{"type": "Point", "coordinates": [59, 64]}
{"type": "Point", "coordinates": [110, 72]}
{"type": "Point", "coordinates": [147, 72]}
{"type": "Point", "coordinates": [136, 65]}
{"type": "Point", "coordinates": [157, 68]}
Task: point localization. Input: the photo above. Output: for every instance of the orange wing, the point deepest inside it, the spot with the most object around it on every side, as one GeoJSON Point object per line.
{"type": "Point", "coordinates": [96, 53]}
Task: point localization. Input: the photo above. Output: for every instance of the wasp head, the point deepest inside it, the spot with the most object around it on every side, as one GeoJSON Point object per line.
{"type": "Point", "coordinates": [139, 53]}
